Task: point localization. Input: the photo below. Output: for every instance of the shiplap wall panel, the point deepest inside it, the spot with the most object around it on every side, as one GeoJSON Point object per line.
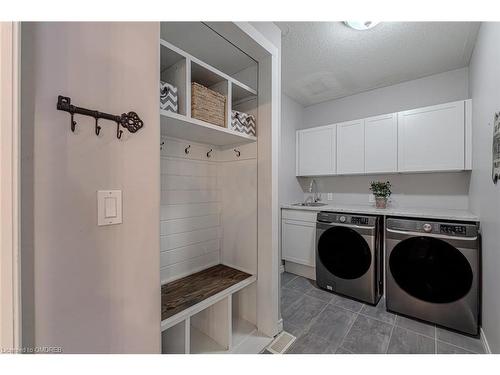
{"type": "Point", "coordinates": [182, 254]}
{"type": "Point", "coordinates": [180, 211]}
{"type": "Point", "coordinates": [190, 223]}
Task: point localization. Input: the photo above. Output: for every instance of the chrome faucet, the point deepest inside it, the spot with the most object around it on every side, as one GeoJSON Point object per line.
{"type": "Point", "coordinates": [313, 187]}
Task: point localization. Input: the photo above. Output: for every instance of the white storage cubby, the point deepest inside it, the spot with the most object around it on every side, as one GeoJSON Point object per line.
{"type": "Point", "coordinates": [211, 328]}
{"type": "Point", "coordinates": [173, 70]}
{"type": "Point", "coordinates": [183, 68]}
{"type": "Point", "coordinates": [220, 326]}
{"type": "Point", "coordinates": [175, 340]}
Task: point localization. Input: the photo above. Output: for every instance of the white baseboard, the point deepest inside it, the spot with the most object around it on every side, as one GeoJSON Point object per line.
{"type": "Point", "coordinates": [485, 342]}
{"type": "Point", "coordinates": [301, 270]}
{"type": "Point", "coordinates": [280, 326]}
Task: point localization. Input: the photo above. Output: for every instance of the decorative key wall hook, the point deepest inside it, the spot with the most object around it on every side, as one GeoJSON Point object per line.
{"type": "Point", "coordinates": [129, 121]}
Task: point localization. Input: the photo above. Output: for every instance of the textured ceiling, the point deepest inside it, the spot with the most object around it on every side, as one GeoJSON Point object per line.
{"type": "Point", "coordinates": [327, 60]}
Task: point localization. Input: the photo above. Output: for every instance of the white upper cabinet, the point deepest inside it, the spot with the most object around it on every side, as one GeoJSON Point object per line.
{"type": "Point", "coordinates": [429, 139]}
{"type": "Point", "coordinates": [316, 151]}
{"type": "Point", "coordinates": [381, 144]}
{"type": "Point", "coordinates": [351, 147]}
{"type": "Point", "coordinates": [432, 138]}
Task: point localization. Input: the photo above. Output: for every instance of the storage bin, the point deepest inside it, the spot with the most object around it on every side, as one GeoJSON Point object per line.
{"type": "Point", "coordinates": [243, 122]}
{"type": "Point", "coordinates": [168, 97]}
{"type": "Point", "coordinates": [208, 105]}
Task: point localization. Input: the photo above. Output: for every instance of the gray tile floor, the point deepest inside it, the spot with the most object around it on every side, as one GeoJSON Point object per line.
{"type": "Point", "coordinates": [326, 323]}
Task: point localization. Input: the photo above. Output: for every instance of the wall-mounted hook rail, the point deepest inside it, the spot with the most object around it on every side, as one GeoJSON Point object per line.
{"type": "Point", "coordinates": [129, 121]}
{"type": "Point", "coordinates": [238, 153]}
{"type": "Point", "coordinates": [186, 150]}
{"type": "Point", "coordinates": [209, 153]}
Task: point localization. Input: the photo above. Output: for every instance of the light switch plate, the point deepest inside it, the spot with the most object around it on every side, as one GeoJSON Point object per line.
{"type": "Point", "coordinates": [109, 207]}
{"type": "Point", "coordinates": [329, 196]}
{"type": "Point", "coordinates": [371, 198]}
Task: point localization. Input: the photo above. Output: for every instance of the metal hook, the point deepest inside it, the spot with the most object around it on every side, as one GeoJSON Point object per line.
{"type": "Point", "coordinates": [162, 144]}
{"type": "Point", "coordinates": [238, 153]}
{"type": "Point", "coordinates": [186, 150]}
{"type": "Point", "coordinates": [118, 131]}
{"type": "Point", "coordinates": [73, 122]}
{"type": "Point", "coordinates": [97, 127]}
{"type": "Point", "coordinates": [208, 153]}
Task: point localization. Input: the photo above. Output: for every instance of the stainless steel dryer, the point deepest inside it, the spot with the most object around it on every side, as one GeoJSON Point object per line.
{"type": "Point", "coordinates": [348, 255]}
{"type": "Point", "coordinates": [433, 272]}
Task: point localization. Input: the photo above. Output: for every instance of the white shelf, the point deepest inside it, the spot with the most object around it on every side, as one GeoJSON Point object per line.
{"type": "Point", "coordinates": [242, 329]}
{"type": "Point", "coordinates": [179, 126]}
{"type": "Point", "coordinates": [203, 344]}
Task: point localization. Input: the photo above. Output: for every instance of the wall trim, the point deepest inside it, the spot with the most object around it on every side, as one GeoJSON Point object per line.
{"type": "Point", "coordinates": [485, 341]}
{"type": "Point", "coordinates": [10, 294]}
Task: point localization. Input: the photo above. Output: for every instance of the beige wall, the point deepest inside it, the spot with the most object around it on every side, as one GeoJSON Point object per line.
{"type": "Point", "coordinates": [96, 289]}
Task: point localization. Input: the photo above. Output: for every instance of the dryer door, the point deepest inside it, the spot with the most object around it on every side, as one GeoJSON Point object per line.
{"type": "Point", "coordinates": [344, 252]}
{"type": "Point", "coordinates": [430, 269]}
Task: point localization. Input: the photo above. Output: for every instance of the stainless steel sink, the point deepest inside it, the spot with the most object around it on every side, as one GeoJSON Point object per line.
{"type": "Point", "coordinates": [310, 204]}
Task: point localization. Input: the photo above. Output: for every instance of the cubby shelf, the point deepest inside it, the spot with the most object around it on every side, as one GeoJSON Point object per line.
{"type": "Point", "coordinates": [180, 126]}
{"type": "Point", "coordinates": [180, 68]}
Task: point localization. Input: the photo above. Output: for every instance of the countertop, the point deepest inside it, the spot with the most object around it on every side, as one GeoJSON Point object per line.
{"type": "Point", "coordinates": [427, 213]}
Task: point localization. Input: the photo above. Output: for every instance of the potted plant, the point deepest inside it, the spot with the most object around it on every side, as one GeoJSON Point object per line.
{"type": "Point", "coordinates": [381, 191]}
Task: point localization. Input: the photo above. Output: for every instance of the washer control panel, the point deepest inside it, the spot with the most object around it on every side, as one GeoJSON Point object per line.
{"type": "Point", "coordinates": [332, 218]}
{"type": "Point", "coordinates": [456, 229]}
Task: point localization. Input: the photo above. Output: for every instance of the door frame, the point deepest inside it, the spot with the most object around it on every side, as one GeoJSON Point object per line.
{"type": "Point", "coordinates": [10, 291]}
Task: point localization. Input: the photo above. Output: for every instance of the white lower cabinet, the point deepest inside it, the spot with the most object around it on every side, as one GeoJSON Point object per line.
{"type": "Point", "coordinates": [298, 237]}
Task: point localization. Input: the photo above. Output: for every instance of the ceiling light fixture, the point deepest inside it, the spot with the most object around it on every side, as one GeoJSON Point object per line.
{"type": "Point", "coordinates": [361, 25]}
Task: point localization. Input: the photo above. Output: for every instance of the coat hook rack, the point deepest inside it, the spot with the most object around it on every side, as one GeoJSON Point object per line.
{"type": "Point", "coordinates": [209, 153]}
{"type": "Point", "coordinates": [186, 150]}
{"type": "Point", "coordinates": [129, 121]}
{"type": "Point", "coordinates": [238, 153]}
{"type": "Point", "coordinates": [162, 144]}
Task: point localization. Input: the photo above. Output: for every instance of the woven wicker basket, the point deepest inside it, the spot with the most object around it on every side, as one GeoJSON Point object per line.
{"type": "Point", "coordinates": [208, 105]}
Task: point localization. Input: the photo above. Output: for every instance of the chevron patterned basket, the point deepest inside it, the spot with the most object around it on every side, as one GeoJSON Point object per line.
{"type": "Point", "coordinates": [168, 97]}
{"type": "Point", "coordinates": [243, 123]}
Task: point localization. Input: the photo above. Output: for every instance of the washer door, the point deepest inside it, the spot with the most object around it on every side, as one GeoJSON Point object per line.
{"type": "Point", "coordinates": [430, 269]}
{"type": "Point", "coordinates": [344, 253]}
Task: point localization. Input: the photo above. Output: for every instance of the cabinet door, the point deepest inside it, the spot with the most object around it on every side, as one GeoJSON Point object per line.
{"type": "Point", "coordinates": [298, 242]}
{"type": "Point", "coordinates": [316, 151]}
{"type": "Point", "coordinates": [381, 143]}
{"type": "Point", "coordinates": [432, 138]}
{"type": "Point", "coordinates": [351, 147]}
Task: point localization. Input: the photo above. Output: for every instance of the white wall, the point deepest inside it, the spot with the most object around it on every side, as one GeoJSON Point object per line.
{"type": "Point", "coordinates": [439, 88]}
{"type": "Point", "coordinates": [436, 190]}
{"type": "Point", "coordinates": [96, 289]}
{"type": "Point", "coordinates": [190, 227]}
{"type": "Point", "coordinates": [485, 197]}
{"type": "Point", "coordinates": [291, 120]}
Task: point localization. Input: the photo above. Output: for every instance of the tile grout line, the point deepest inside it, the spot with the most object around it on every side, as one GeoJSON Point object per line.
{"type": "Point", "coordinates": [390, 337]}
{"type": "Point", "coordinates": [456, 346]}
{"type": "Point", "coordinates": [347, 332]}
{"type": "Point", "coordinates": [435, 340]}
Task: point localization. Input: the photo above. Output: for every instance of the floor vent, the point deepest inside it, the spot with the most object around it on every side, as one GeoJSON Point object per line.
{"type": "Point", "coordinates": [281, 343]}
